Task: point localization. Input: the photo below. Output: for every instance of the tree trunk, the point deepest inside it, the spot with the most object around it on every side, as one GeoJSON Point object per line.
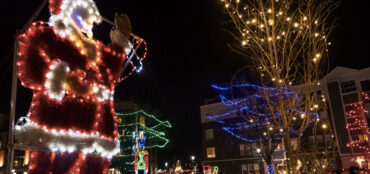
{"type": "Point", "coordinates": [270, 167]}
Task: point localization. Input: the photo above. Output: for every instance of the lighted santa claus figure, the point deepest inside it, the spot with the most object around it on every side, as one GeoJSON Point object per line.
{"type": "Point", "coordinates": [72, 76]}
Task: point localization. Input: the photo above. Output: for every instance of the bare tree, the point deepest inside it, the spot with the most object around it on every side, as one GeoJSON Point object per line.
{"type": "Point", "coordinates": [287, 41]}
{"type": "Point", "coordinates": [249, 117]}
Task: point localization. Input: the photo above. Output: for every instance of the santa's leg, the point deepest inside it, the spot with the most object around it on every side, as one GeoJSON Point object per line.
{"type": "Point", "coordinates": [93, 164]}
{"type": "Point", "coordinates": [40, 162]}
{"type": "Point", "coordinates": [64, 163]}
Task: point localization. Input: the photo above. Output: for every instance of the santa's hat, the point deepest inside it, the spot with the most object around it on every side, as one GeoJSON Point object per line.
{"type": "Point", "coordinates": [55, 6]}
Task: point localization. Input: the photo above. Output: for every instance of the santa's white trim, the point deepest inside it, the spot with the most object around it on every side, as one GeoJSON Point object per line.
{"type": "Point", "coordinates": [32, 135]}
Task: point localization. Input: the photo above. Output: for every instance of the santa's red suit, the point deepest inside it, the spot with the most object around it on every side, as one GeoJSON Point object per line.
{"type": "Point", "coordinates": [71, 114]}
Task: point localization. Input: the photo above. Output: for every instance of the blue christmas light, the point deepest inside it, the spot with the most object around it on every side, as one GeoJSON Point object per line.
{"type": "Point", "coordinates": [227, 101]}
{"type": "Point", "coordinates": [243, 85]}
{"type": "Point", "coordinates": [264, 119]}
{"type": "Point", "coordinates": [270, 168]}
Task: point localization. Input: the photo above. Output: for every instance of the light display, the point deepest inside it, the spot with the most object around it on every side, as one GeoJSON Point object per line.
{"type": "Point", "coordinates": [141, 156]}
{"type": "Point", "coordinates": [358, 129]}
{"type": "Point", "coordinates": [287, 42]}
{"type": "Point", "coordinates": [252, 106]}
{"type": "Point", "coordinates": [131, 127]}
{"type": "Point", "coordinates": [151, 127]}
{"type": "Point", "coordinates": [247, 118]}
{"type": "Point", "coordinates": [73, 76]}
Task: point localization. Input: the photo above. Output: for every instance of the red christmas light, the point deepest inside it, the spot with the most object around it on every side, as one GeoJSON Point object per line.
{"type": "Point", "coordinates": [359, 129]}
{"type": "Point", "coordinates": [73, 78]}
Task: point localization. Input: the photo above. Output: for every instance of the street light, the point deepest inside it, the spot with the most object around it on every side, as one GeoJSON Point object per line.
{"type": "Point", "coordinates": [258, 150]}
{"type": "Point", "coordinates": [324, 126]}
{"type": "Point", "coordinates": [192, 157]}
{"type": "Point", "coordinates": [166, 164]}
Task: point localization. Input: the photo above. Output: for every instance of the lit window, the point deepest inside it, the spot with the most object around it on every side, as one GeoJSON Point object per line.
{"type": "Point", "coordinates": [280, 146]}
{"type": "Point", "coordinates": [251, 168]}
{"type": "Point", "coordinates": [211, 152]}
{"type": "Point", "coordinates": [244, 168]}
{"type": "Point", "coordinates": [256, 167]}
{"type": "Point", "coordinates": [242, 149]}
{"type": "Point", "coordinates": [254, 149]}
{"type": "Point", "coordinates": [209, 134]}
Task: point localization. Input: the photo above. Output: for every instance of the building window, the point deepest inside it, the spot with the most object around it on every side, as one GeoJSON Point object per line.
{"type": "Point", "coordinates": [256, 167]}
{"type": "Point", "coordinates": [248, 149]}
{"type": "Point", "coordinates": [250, 168]}
{"type": "Point", "coordinates": [280, 146]}
{"type": "Point", "coordinates": [254, 149]}
{"type": "Point", "coordinates": [294, 144]}
{"type": "Point", "coordinates": [242, 150]}
{"type": "Point", "coordinates": [253, 168]}
{"type": "Point", "coordinates": [211, 152]}
{"type": "Point", "coordinates": [244, 169]}
{"type": "Point", "coordinates": [365, 85]}
{"type": "Point", "coordinates": [350, 98]}
{"type": "Point", "coordinates": [348, 86]}
{"type": "Point", "coordinates": [209, 134]}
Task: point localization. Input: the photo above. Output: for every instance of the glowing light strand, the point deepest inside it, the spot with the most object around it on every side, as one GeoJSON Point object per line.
{"type": "Point", "coordinates": [267, 118]}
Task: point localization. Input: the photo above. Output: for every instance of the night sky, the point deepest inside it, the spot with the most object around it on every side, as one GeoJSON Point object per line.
{"type": "Point", "coordinates": [187, 53]}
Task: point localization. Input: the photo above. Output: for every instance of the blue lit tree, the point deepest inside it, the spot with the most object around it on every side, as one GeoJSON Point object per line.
{"type": "Point", "coordinates": [248, 116]}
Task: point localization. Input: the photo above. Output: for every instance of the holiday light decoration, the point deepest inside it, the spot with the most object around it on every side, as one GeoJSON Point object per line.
{"type": "Point", "coordinates": [247, 119]}
{"type": "Point", "coordinates": [141, 156]}
{"type": "Point", "coordinates": [287, 43]}
{"type": "Point", "coordinates": [150, 127]}
{"type": "Point", "coordinates": [358, 128]}
{"type": "Point", "coordinates": [73, 76]}
{"type": "Point", "coordinates": [131, 127]}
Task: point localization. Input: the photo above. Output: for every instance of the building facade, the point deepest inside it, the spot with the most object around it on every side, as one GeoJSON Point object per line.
{"type": "Point", "coordinates": [341, 88]}
{"type": "Point", "coordinates": [129, 128]}
{"type": "Point", "coordinates": [21, 157]}
{"type": "Point", "coordinates": [227, 153]}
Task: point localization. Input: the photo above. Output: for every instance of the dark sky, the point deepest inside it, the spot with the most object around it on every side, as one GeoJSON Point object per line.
{"type": "Point", "coordinates": [187, 53]}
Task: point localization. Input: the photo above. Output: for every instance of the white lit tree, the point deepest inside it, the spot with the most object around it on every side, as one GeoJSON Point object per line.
{"type": "Point", "coordinates": [287, 41]}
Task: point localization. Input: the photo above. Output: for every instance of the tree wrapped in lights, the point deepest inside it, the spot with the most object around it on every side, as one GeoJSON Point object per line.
{"type": "Point", "coordinates": [358, 128]}
{"type": "Point", "coordinates": [287, 42]}
{"type": "Point", "coordinates": [130, 126]}
{"type": "Point", "coordinates": [71, 125]}
{"type": "Point", "coordinates": [248, 119]}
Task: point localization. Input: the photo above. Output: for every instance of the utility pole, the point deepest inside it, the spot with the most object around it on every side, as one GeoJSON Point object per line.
{"type": "Point", "coordinates": [13, 98]}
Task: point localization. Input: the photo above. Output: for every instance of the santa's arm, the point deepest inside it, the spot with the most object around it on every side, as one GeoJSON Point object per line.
{"type": "Point", "coordinates": [33, 62]}
{"type": "Point", "coordinates": [112, 58]}
{"type": "Point", "coordinates": [44, 59]}
{"type": "Point", "coordinates": [37, 68]}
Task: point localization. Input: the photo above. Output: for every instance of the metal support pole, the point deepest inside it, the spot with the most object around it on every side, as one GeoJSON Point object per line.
{"type": "Point", "coordinates": [13, 98]}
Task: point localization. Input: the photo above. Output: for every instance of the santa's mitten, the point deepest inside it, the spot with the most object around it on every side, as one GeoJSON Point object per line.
{"type": "Point", "coordinates": [122, 31]}
{"type": "Point", "coordinates": [56, 79]}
